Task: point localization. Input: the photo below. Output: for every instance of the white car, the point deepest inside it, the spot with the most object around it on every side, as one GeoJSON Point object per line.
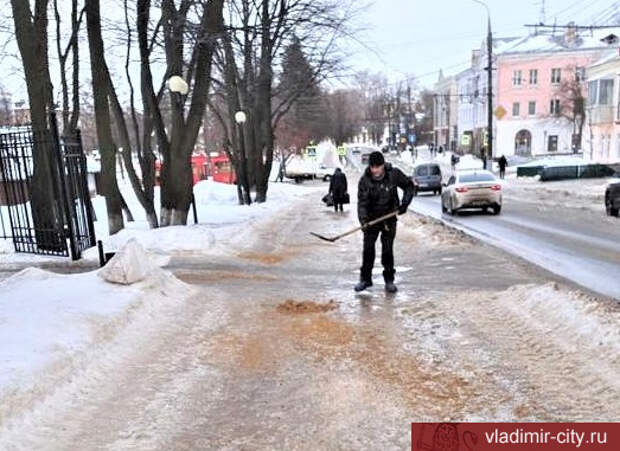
{"type": "Point", "coordinates": [472, 189]}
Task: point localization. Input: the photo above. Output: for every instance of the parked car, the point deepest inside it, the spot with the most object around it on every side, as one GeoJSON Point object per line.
{"type": "Point", "coordinates": [472, 189]}
{"type": "Point", "coordinates": [427, 177]}
{"type": "Point", "coordinates": [612, 199]}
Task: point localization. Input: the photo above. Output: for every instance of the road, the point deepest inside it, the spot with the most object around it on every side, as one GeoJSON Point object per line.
{"type": "Point", "coordinates": [260, 359]}
{"type": "Point", "coordinates": [580, 245]}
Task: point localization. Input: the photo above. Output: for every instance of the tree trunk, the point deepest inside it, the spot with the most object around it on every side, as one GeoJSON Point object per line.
{"type": "Point", "coordinates": [107, 147]}
{"type": "Point", "coordinates": [31, 36]}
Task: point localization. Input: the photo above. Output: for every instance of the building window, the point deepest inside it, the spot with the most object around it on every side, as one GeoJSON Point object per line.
{"type": "Point", "coordinates": [554, 108]}
{"type": "Point", "coordinates": [531, 108]}
{"type": "Point", "coordinates": [556, 76]}
{"type": "Point", "coordinates": [606, 90]}
{"type": "Point", "coordinates": [552, 143]}
{"type": "Point", "coordinates": [533, 76]}
{"type": "Point", "coordinates": [515, 109]}
{"type": "Point", "coordinates": [580, 74]}
{"type": "Point", "coordinates": [592, 92]}
{"type": "Point", "coordinates": [516, 78]}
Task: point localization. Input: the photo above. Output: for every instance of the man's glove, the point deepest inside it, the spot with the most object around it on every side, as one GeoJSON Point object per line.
{"type": "Point", "coordinates": [402, 209]}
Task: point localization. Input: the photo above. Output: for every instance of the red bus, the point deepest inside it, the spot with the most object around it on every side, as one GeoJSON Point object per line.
{"type": "Point", "coordinates": [218, 167]}
{"type": "Point", "coordinates": [222, 170]}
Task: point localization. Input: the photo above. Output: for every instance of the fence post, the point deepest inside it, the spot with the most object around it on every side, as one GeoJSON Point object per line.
{"type": "Point", "coordinates": [89, 204]}
{"type": "Point", "coordinates": [75, 254]}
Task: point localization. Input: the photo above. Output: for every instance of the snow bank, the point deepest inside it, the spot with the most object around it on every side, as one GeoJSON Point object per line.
{"type": "Point", "coordinates": [556, 162]}
{"type": "Point", "coordinates": [50, 324]}
{"type": "Point", "coordinates": [580, 321]}
{"type": "Point", "coordinates": [130, 265]}
{"type": "Point", "coordinates": [219, 214]}
{"type": "Point", "coordinates": [577, 193]}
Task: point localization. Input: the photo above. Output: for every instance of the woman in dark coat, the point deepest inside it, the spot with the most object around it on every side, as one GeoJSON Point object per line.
{"type": "Point", "coordinates": [338, 189]}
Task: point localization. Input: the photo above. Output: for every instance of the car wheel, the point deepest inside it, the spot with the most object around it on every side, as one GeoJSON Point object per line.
{"type": "Point", "coordinates": [327, 178]}
{"type": "Point", "coordinates": [451, 210]}
{"type": "Point", "coordinates": [443, 207]}
{"type": "Point", "coordinates": [497, 209]}
{"type": "Point", "coordinates": [299, 180]}
{"type": "Point", "coordinates": [440, 191]}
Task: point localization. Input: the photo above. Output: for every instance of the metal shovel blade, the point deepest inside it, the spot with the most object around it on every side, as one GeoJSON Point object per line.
{"type": "Point", "coordinates": [331, 240]}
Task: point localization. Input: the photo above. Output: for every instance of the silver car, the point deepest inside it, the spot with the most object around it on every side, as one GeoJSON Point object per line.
{"type": "Point", "coordinates": [472, 189]}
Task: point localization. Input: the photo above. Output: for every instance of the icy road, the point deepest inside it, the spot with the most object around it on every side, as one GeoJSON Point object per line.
{"type": "Point", "coordinates": [582, 245]}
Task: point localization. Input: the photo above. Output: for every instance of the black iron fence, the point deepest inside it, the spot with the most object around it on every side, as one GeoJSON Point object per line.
{"type": "Point", "coordinates": [45, 206]}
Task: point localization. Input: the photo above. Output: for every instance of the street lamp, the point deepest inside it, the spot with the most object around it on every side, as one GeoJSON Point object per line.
{"type": "Point", "coordinates": [240, 118]}
{"type": "Point", "coordinates": [178, 85]}
{"type": "Point", "coordinates": [489, 69]}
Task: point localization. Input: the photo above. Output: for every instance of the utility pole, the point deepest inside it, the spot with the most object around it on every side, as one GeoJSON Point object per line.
{"type": "Point", "coordinates": [489, 151]}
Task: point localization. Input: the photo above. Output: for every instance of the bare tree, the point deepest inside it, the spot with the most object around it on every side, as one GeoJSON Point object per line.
{"type": "Point", "coordinates": [32, 40]}
{"type": "Point", "coordinates": [107, 147]}
{"type": "Point", "coordinates": [177, 145]}
{"type": "Point", "coordinates": [570, 92]}
{"type": "Point", "coordinates": [259, 33]}
{"type": "Point", "coordinates": [70, 114]}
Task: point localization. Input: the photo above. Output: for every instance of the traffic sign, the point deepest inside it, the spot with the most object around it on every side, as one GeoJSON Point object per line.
{"type": "Point", "coordinates": [500, 112]}
{"type": "Point", "coordinates": [412, 138]}
{"type": "Point", "coordinates": [342, 151]}
{"type": "Point", "coordinates": [466, 140]}
{"type": "Point", "coordinates": [311, 151]}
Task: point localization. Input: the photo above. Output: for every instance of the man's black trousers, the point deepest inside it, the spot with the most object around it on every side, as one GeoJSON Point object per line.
{"type": "Point", "coordinates": [387, 230]}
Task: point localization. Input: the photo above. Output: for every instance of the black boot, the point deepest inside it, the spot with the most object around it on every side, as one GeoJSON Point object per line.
{"type": "Point", "coordinates": [390, 287]}
{"type": "Point", "coordinates": [362, 285]}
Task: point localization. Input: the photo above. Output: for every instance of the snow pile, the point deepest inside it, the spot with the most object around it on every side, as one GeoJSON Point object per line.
{"type": "Point", "coordinates": [52, 325]}
{"type": "Point", "coordinates": [209, 192]}
{"type": "Point", "coordinates": [579, 321]}
{"type": "Point", "coordinates": [469, 162]}
{"type": "Point", "coordinates": [578, 193]}
{"type": "Point", "coordinates": [327, 154]}
{"type": "Point", "coordinates": [130, 265]}
{"type": "Point", "coordinates": [219, 214]}
{"type": "Point", "coordinates": [555, 162]}
{"type": "Point", "coordinates": [6, 246]}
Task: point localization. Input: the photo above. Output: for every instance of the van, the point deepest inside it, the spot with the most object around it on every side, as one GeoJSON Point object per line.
{"type": "Point", "coordinates": [427, 177]}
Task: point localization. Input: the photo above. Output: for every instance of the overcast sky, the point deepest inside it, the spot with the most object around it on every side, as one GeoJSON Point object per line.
{"type": "Point", "coordinates": [402, 38]}
{"type": "Point", "coordinates": [421, 36]}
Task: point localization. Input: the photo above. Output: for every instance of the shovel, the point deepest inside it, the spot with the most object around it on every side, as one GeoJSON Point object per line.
{"type": "Point", "coordinates": [363, 226]}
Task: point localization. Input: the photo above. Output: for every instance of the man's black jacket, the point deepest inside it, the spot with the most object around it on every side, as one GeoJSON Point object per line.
{"type": "Point", "coordinates": [376, 198]}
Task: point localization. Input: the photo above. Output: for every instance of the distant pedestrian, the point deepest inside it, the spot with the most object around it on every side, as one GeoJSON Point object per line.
{"type": "Point", "coordinates": [441, 149]}
{"type": "Point", "coordinates": [281, 172]}
{"type": "Point", "coordinates": [502, 162]}
{"type": "Point", "coordinates": [454, 160]}
{"type": "Point", "coordinates": [338, 189]}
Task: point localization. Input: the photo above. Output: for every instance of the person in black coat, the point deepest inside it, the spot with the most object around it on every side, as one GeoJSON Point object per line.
{"type": "Point", "coordinates": [377, 196]}
{"type": "Point", "coordinates": [502, 163]}
{"type": "Point", "coordinates": [338, 189]}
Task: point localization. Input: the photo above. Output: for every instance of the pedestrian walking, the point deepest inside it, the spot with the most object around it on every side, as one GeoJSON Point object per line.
{"type": "Point", "coordinates": [338, 189]}
{"type": "Point", "coordinates": [502, 162]}
{"type": "Point", "coordinates": [454, 160]}
{"type": "Point", "coordinates": [282, 169]}
{"type": "Point", "coordinates": [377, 196]}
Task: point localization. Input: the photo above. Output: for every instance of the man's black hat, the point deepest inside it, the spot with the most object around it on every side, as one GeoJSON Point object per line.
{"type": "Point", "coordinates": [376, 159]}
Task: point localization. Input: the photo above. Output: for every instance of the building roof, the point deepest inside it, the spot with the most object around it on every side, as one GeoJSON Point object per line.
{"type": "Point", "coordinates": [548, 42]}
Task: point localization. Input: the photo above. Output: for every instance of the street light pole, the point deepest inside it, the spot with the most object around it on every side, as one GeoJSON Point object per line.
{"type": "Point", "coordinates": [240, 118]}
{"type": "Point", "coordinates": [490, 92]}
{"type": "Point", "coordinates": [489, 151]}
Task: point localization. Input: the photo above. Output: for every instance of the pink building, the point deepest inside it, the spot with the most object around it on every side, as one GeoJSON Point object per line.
{"type": "Point", "coordinates": [541, 81]}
